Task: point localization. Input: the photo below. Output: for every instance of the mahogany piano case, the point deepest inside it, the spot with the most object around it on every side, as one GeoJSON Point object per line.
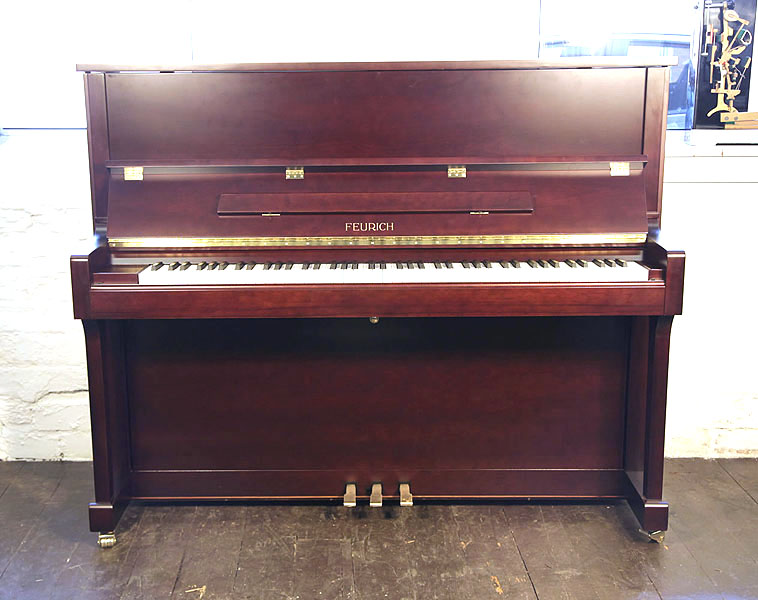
{"type": "Point", "coordinates": [377, 282]}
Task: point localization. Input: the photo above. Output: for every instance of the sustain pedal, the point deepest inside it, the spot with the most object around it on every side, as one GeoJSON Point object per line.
{"type": "Point", "coordinates": [348, 499]}
{"type": "Point", "coordinates": [406, 498]}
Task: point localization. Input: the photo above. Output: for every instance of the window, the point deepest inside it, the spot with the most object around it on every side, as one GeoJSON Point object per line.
{"type": "Point", "coordinates": [643, 28]}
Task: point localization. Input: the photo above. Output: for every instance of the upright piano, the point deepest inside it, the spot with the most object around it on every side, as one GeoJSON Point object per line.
{"type": "Point", "coordinates": [377, 282]}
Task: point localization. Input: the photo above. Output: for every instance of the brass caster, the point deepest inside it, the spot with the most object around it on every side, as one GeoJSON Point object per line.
{"type": "Point", "coordinates": [654, 536]}
{"type": "Point", "coordinates": [106, 540]}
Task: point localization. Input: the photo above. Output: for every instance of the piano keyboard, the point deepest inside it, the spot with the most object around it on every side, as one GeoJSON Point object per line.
{"type": "Point", "coordinates": [505, 271]}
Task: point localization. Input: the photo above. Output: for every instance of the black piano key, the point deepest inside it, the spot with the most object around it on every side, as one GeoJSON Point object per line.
{"type": "Point", "coordinates": [399, 265]}
{"type": "Point", "coordinates": [515, 264]}
{"type": "Point", "coordinates": [174, 266]}
{"type": "Point", "coordinates": [288, 266]}
{"type": "Point", "coordinates": [317, 266]}
{"type": "Point", "coordinates": [213, 265]}
{"type": "Point", "coordinates": [448, 264]}
{"type": "Point", "coordinates": [477, 264]}
{"type": "Point", "coordinates": [505, 264]}
{"type": "Point", "coordinates": [487, 264]}
{"type": "Point", "coordinates": [343, 266]}
{"type": "Point", "coordinates": [543, 263]}
{"type": "Point", "coordinates": [620, 262]}
{"type": "Point", "coordinates": [185, 266]}
{"type": "Point", "coordinates": [609, 262]}
{"type": "Point", "coordinates": [581, 262]}
{"type": "Point", "coordinates": [437, 265]}
{"type": "Point", "coordinates": [553, 263]}
{"type": "Point", "coordinates": [202, 265]}
{"type": "Point", "coordinates": [372, 265]}
{"type": "Point", "coordinates": [238, 266]}
{"type": "Point", "coordinates": [354, 265]}
{"type": "Point", "coordinates": [155, 266]}
{"type": "Point", "coordinates": [570, 263]}
{"type": "Point", "coordinates": [223, 265]}
{"type": "Point", "coordinates": [382, 265]}
{"type": "Point", "coordinates": [278, 266]}
{"type": "Point", "coordinates": [249, 266]}
{"type": "Point", "coordinates": [410, 265]}
{"type": "Point", "coordinates": [421, 265]}
{"type": "Point", "coordinates": [333, 266]}
{"type": "Point", "coordinates": [267, 266]}
{"type": "Point", "coordinates": [466, 264]}
{"type": "Point", "coordinates": [304, 266]}
{"type": "Point", "coordinates": [598, 262]}
{"type": "Point", "coordinates": [532, 263]}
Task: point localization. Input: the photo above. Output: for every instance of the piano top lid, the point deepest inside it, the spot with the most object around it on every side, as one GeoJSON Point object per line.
{"type": "Point", "coordinates": [562, 63]}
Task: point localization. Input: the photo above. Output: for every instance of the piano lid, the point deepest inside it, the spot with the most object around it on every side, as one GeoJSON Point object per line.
{"type": "Point", "coordinates": [375, 146]}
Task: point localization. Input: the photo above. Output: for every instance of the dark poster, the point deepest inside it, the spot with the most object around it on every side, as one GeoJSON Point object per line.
{"type": "Point", "coordinates": [724, 61]}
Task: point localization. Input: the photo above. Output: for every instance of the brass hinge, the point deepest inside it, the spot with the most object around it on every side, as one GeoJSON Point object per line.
{"type": "Point", "coordinates": [456, 171]}
{"type": "Point", "coordinates": [619, 169]}
{"type": "Point", "coordinates": [294, 173]}
{"type": "Point", "coordinates": [133, 173]}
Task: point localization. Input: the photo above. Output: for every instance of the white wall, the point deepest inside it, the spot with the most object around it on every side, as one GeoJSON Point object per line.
{"type": "Point", "coordinates": [45, 211]}
{"type": "Point", "coordinates": [44, 217]}
{"type": "Point", "coordinates": [710, 210]}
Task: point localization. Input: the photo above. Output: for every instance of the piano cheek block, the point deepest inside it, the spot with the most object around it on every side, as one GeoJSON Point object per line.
{"type": "Point", "coordinates": [225, 306]}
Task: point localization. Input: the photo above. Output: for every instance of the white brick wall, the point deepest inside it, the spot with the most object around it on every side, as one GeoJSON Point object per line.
{"type": "Point", "coordinates": [45, 216]}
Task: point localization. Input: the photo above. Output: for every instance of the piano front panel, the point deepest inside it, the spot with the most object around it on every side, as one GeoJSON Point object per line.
{"type": "Point", "coordinates": [355, 115]}
{"type": "Point", "coordinates": [403, 395]}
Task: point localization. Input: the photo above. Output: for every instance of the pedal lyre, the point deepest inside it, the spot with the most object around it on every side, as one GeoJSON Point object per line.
{"type": "Point", "coordinates": [406, 498]}
{"type": "Point", "coordinates": [349, 498]}
{"type": "Point", "coordinates": [375, 499]}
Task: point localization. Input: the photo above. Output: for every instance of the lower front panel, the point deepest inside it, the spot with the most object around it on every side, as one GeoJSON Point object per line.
{"type": "Point", "coordinates": [296, 408]}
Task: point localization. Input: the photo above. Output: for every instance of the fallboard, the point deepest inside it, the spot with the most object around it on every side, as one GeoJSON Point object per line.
{"type": "Point", "coordinates": [563, 204]}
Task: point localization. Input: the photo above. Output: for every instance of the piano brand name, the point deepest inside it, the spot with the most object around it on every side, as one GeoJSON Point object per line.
{"type": "Point", "coordinates": [373, 226]}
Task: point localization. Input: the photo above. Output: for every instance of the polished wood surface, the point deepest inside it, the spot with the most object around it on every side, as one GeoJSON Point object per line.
{"type": "Point", "coordinates": [487, 391]}
{"type": "Point", "coordinates": [374, 114]}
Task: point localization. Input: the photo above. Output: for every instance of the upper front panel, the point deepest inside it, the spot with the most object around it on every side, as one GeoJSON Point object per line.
{"type": "Point", "coordinates": [370, 116]}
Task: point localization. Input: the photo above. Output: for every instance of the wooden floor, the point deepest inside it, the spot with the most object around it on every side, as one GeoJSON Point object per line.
{"type": "Point", "coordinates": [311, 552]}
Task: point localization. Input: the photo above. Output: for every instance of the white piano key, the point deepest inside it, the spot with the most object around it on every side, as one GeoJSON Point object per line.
{"type": "Point", "coordinates": [393, 274]}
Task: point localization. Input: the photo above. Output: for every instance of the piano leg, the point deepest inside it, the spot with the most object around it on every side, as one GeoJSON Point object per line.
{"type": "Point", "coordinates": [109, 419]}
{"type": "Point", "coordinates": [646, 417]}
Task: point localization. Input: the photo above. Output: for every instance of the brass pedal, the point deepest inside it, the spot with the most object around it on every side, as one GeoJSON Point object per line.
{"type": "Point", "coordinates": [375, 499]}
{"type": "Point", "coordinates": [349, 498]}
{"type": "Point", "coordinates": [406, 498]}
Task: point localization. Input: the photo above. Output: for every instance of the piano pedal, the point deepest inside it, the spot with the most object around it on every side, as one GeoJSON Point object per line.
{"type": "Point", "coordinates": [375, 499]}
{"type": "Point", "coordinates": [348, 499]}
{"type": "Point", "coordinates": [406, 498]}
